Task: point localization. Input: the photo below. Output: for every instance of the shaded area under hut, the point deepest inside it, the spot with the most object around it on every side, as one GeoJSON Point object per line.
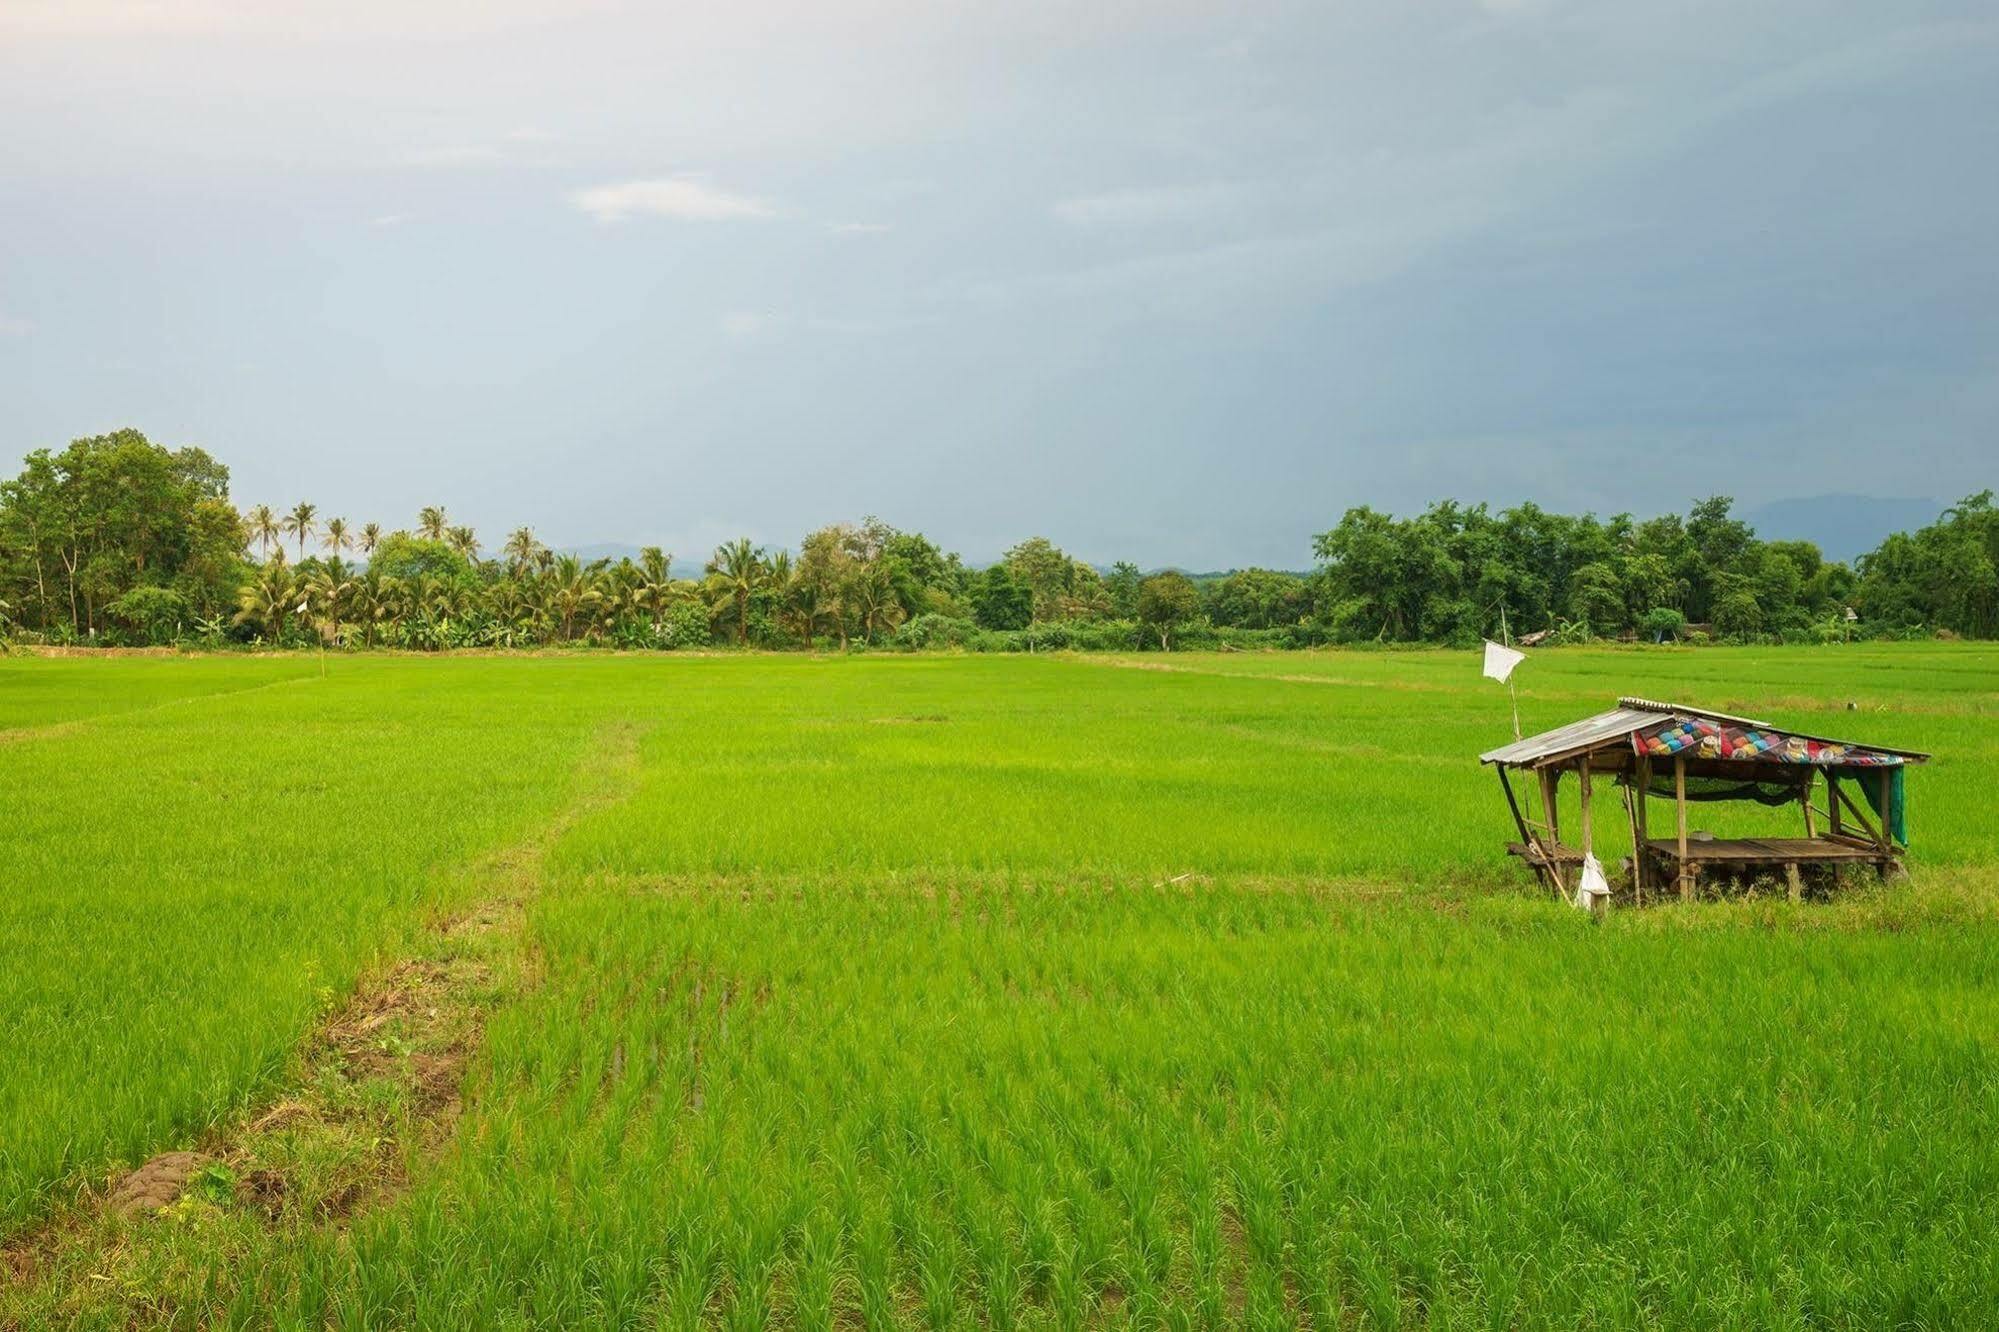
{"type": "Point", "coordinates": [1690, 756]}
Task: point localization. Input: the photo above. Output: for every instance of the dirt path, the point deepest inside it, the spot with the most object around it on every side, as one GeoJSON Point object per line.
{"type": "Point", "coordinates": [373, 1093]}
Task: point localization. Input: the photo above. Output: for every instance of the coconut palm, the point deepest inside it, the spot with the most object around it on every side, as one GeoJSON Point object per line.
{"type": "Point", "coordinates": [371, 603]}
{"type": "Point", "coordinates": [263, 527]}
{"type": "Point", "coordinates": [337, 538]}
{"type": "Point", "coordinates": [735, 572]}
{"type": "Point", "coordinates": [299, 523]}
{"type": "Point", "coordinates": [521, 548]}
{"type": "Point", "coordinates": [268, 599]}
{"type": "Point", "coordinates": [431, 523]}
{"type": "Point", "coordinates": [807, 605]}
{"type": "Point", "coordinates": [462, 540]}
{"type": "Point", "coordinates": [572, 593]}
{"type": "Point", "coordinates": [371, 537]}
{"type": "Point", "coordinates": [875, 601]}
{"type": "Point", "coordinates": [330, 592]}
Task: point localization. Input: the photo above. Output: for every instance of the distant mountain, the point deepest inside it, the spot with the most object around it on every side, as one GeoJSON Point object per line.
{"type": "Point", "coordinates": [1844, 527]}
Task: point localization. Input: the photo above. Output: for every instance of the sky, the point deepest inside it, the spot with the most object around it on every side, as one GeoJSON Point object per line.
{"type": "Point", "coordinates": [1163, 280]}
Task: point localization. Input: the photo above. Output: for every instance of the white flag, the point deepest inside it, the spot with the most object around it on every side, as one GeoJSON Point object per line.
{"type": "Point", "coordinates": [1500, 661]}
{"type": "Point", "coordinates": [301, 607]}
{"type": "Point", "coordinates": [1593, 884]}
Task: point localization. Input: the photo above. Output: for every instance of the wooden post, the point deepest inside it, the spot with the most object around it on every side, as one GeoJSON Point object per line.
{"type": "Point", "coordinates": [1832, 802]}
{"type": "Point", "coordinates": [1680, 800]}
{"type": "Point", "coordinates": [1805, 800]}
{"type": "Point", "coordinates": [1884, 839]}
{"type": "Point", "coordinates": [1582, 772]}
{"type": "Point", "coordinates": [1550, 778]}
{"type": "Point", "coordinates": [1639, 836]}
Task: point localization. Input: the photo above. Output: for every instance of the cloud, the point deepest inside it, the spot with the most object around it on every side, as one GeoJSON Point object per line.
{"type": "Point", "coordinates": [13, 326]}
{"type": "Point", "coordinates": [681, 198]}
{"type": "Point", "coordinates": [1144, 207]}
{"type": "Point", "coordinates": [858, 228]}
{"type": "Point", "coordinates": [389, 220]}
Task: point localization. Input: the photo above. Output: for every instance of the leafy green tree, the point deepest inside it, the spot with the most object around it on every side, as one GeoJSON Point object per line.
{"type": "Point", "coordinates": [1001, 602]}
{"type": "Point", "coordinates": [1122, 587]}
{"type": "Point", "coordinates": [1165, 601]}
{"type": "Point", "coordinates": [408, 558]}
{"type": "Point", "coordinates": [1596, 597]}
{"type": "Point", "coordinates": [1258, 599]}
{"type": "Point", "coordinates": [80, 528]}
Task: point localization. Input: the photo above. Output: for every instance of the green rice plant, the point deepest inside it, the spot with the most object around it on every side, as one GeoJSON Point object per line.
{"type": "Point", "coordinates": [1190, 997]}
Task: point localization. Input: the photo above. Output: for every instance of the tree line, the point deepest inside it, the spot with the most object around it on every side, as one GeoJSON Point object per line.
{"type": "Point", "coordinates": [117, 540]}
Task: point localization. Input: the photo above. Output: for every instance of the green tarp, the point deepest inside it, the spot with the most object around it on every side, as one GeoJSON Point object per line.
{"type": "Point", "coordinates": [1884, 791]}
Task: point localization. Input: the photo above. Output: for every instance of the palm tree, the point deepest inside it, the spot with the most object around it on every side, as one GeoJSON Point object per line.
{"type": "Point", "coordinates": [509, 605]}
{"type": "Point", "coordinates": [267, 599]}
{"type": "Point", "coordinates": [299, 523]}
{"type": "Point", "coordinates": [337, 539]}
{"type": "Point", "coordinates": [572, 593]}
{"type": "Point", "coordinates": [462, 540]}
{"type": "Point", "coordinates": [329, 592]}
{"type": "Point", "coordinates": [807, 604]}
{"type": "Point", "coordinates": [876, 600]}
{"type": "Point", "coordinates": [521, 548]}
{"type": "Point", "coordinates": [372, 601]}
{"type": "Point", "coordinates": [735, 571]}
{"type": "Point", "coordinates": [263, 525]}
{"type": "Point", "coordinates": [371, 537]}
{"type": "Point", "coordinates": [430, 523]}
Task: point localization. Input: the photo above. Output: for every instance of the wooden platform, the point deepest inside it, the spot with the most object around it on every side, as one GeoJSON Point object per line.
{"type": "Point", "coordinates": [1748, 851]}
{"type": "Point", "coordinates": [1564, 855]}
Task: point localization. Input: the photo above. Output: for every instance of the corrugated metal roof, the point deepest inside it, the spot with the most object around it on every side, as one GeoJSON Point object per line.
{"type": "Point", "coordinates": [1576, 735]}
{"type": "Point", "coordinates": [1634, 714]}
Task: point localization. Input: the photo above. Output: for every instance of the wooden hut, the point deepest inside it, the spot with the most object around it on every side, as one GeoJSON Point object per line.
{"type": "Point", "coordinates": [1691, 755]}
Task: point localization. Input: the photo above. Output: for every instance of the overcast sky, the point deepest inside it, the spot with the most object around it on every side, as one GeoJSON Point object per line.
{"type": "Point", "coordinates": [1173, 280]}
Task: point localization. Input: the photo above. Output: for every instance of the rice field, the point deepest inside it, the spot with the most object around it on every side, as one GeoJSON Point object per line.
{"type": "Point", "coordinates": [962, 992]}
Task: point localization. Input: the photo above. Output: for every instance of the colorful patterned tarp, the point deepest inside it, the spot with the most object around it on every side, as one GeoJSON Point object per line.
{"type": "Point", "coordinates": [1703, 738]}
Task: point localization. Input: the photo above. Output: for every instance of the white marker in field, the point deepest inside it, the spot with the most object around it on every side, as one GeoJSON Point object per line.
{"type": "Point", "coordinates": [1499, 663]}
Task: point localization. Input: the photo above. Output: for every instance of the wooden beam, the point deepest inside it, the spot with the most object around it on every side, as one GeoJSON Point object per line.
{"type": "Point", "coordinates": [1639, 832]}
{"type": "Point", "coordinates": [1832, 802]}
{"type": "Point", "coordinates": [1805, 800]}
{"type": "Point", "coordinates": [1680, 800]}
{"type": "Point", "coordinates": [1552, 819]}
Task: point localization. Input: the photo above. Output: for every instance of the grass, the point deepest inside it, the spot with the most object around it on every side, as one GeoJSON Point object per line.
{"type": "Point", "coordinates": [975, 992]}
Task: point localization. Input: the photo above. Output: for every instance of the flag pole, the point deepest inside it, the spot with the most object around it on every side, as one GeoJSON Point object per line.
{"type": "Point", "coordinates": [1506, 640]}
